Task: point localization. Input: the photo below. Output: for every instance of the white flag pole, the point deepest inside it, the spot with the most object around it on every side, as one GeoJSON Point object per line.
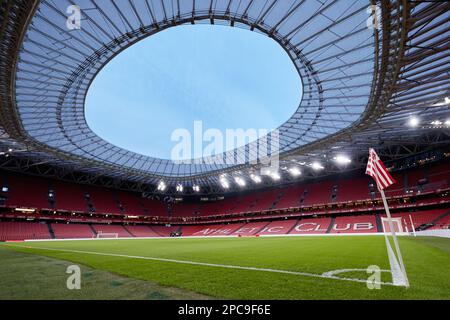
{"type": "Point", "coordinates": [394, 235]}
{"type": "Point", "coordinates": [412, 226]}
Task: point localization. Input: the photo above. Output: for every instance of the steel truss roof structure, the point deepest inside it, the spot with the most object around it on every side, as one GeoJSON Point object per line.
{"type": "Point", "coordinates": [361, 82]}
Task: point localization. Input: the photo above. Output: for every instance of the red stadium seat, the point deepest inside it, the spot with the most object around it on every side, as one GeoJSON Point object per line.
{"type": "Point", "coordinates": [72, 231]}
{"type": "Point", "coordinates": [354, 224]}
{"type": "Point", "coordinates": [311, 226]}
{"type": "Point", "coordinates": [23, 231]}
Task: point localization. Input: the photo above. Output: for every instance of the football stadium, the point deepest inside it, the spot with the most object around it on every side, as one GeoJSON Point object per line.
{"type": "Point", "coordinates": [224, 149]}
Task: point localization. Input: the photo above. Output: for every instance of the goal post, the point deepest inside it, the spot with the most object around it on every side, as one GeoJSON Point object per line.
{"type": "Point", "coordinates": [107, 235]}
{"type": "Point", "coordinates": [397, 225]}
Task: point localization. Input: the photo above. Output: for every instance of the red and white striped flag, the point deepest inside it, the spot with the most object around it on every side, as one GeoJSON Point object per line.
{"type": "Point", "coordinates": [377, 170]}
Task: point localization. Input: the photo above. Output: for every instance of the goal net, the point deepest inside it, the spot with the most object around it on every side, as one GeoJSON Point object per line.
{"type": "Point", "coordinates": [107, 235]}
{"type": "Point", "coordinates": [397, 224]}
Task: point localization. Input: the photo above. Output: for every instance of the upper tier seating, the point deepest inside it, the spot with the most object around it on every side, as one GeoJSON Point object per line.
{"type": "Point", "coordinates": [185, 209]}
{"type": "Point", "coordinates": [29, 192]}
{"type": "Point", "coordinates": [142, 231]}
{"type": "Point", "coordinates": [438, 177]}
{"type": "Point", "coordinates": [413, 178]}
{"type": "Point", "coordinates": [397, 189]}
{"type": "Point", "coordinates": [291, 197]}
{"type": "Point", "coordinates": [104, 200]}
{"type": "Point", "coordinates": [154, 207]}
{"type": "Point", "coordinates": [131, 203]}
{"type": "Point", "coordinates": [265, 200]}
{"type": "Point", "coordinates": [353, 189]}
{"type": "Point", "coordinates": [70, 197]}
{"type": "Point", "coordinates": [318, 193]}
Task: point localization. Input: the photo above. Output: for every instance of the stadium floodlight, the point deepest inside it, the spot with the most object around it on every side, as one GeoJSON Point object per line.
{"type": "Point", "coordinates": [436, 123]}
{"type": "Point", "coordinates": [294, 171]}
{"type": "Point", "coordinates": [413, 122]}
{"type": "Point", "coordinates": [240, 181]}
{"type": "Point", "coordinates": [162, 186]}
{"type": "Point", "coordinates": [317, 166]}
{"type": "Point", "coordinates": [255, 178]}
{"type": "Point", "coordinates": [196, 188]}
{"type": "Point", "coordinates": [180, 188]}
{"type": "Point", "coordinates": [275, 175]}
{"type": "Point", "coordinates": [341, 159]}
{"type": "Point", "coordinates": [224, 182]}
{"type": "Point", "coordinates": [447, 122]}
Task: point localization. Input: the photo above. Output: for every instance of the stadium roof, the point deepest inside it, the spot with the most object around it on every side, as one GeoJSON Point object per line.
{"type": "Point", "coordinates": [361, 82]}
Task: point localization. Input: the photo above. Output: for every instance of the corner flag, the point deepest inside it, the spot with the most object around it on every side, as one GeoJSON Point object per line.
{"type": "Point", "coordinates": [377, 170]}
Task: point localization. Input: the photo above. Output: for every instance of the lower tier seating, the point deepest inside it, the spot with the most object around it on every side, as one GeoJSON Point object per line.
{"type": "Point", "coordinates": [23, 230]}
{"type": "Point", "coordinates": [106, 228]}
{"type": "Point", "coordinates": [311, 226]}
{"type": "Point", "coordinates": [366, 223]}
{"type": "Point", "coordinates": [72, 231]}
{"type": "Point", "coordinates": [355, 224]}
{"type": "Point", "coordinates": [142, 231]}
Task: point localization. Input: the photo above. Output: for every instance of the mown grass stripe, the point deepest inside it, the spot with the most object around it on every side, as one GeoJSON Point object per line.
{"type": "Point", "coordinates": [297, 273]}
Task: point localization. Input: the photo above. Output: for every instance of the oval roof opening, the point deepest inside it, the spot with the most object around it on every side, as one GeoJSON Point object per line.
{"type": "Point", "coordinates": [194, 79]}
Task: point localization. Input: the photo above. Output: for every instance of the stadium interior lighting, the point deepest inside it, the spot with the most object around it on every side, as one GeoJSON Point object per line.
{"type": "Point", "coordinates": [162, 186]}
{"type": "Point", "coordinates": [295, 171]}
{"type": "Point", "coordinates": [436, 123]}
{"type": "Point", "coordinates": [275, 175]}
{"type": "Point", "coordinates": [341, 159]}
{"type": "Point", "coordinates": [240, 181]}
{"type": "Point", "coordinates": [255, 178]}
{"type": "Point", "coordinates": [196, 188]}
{"type": "Point", "coordinates": [447, 100]}
{"type": "Point", "coordinates": [224, 182]}
{"type": "Point", "coordinates": [447, 122]}
{"type": "Point", "coordinates": [316, 166]}
{"type": "Point", "coordinates": [413, 122]}
{"type": "Point", "coordinates": [180, 188]}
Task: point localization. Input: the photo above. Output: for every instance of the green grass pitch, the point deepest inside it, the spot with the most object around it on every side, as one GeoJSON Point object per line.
{"type": "Point", "coordinates": [427, 262]}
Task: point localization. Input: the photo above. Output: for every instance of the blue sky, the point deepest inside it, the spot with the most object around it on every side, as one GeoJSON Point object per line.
{"type": "Point", "coordinates": [228, 78]}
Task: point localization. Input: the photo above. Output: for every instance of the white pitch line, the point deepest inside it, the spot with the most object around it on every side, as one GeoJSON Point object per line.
{"type": "Point", "coordinates": [306, 274]}
{"type": "Point", "coordinates": [334, 272]}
